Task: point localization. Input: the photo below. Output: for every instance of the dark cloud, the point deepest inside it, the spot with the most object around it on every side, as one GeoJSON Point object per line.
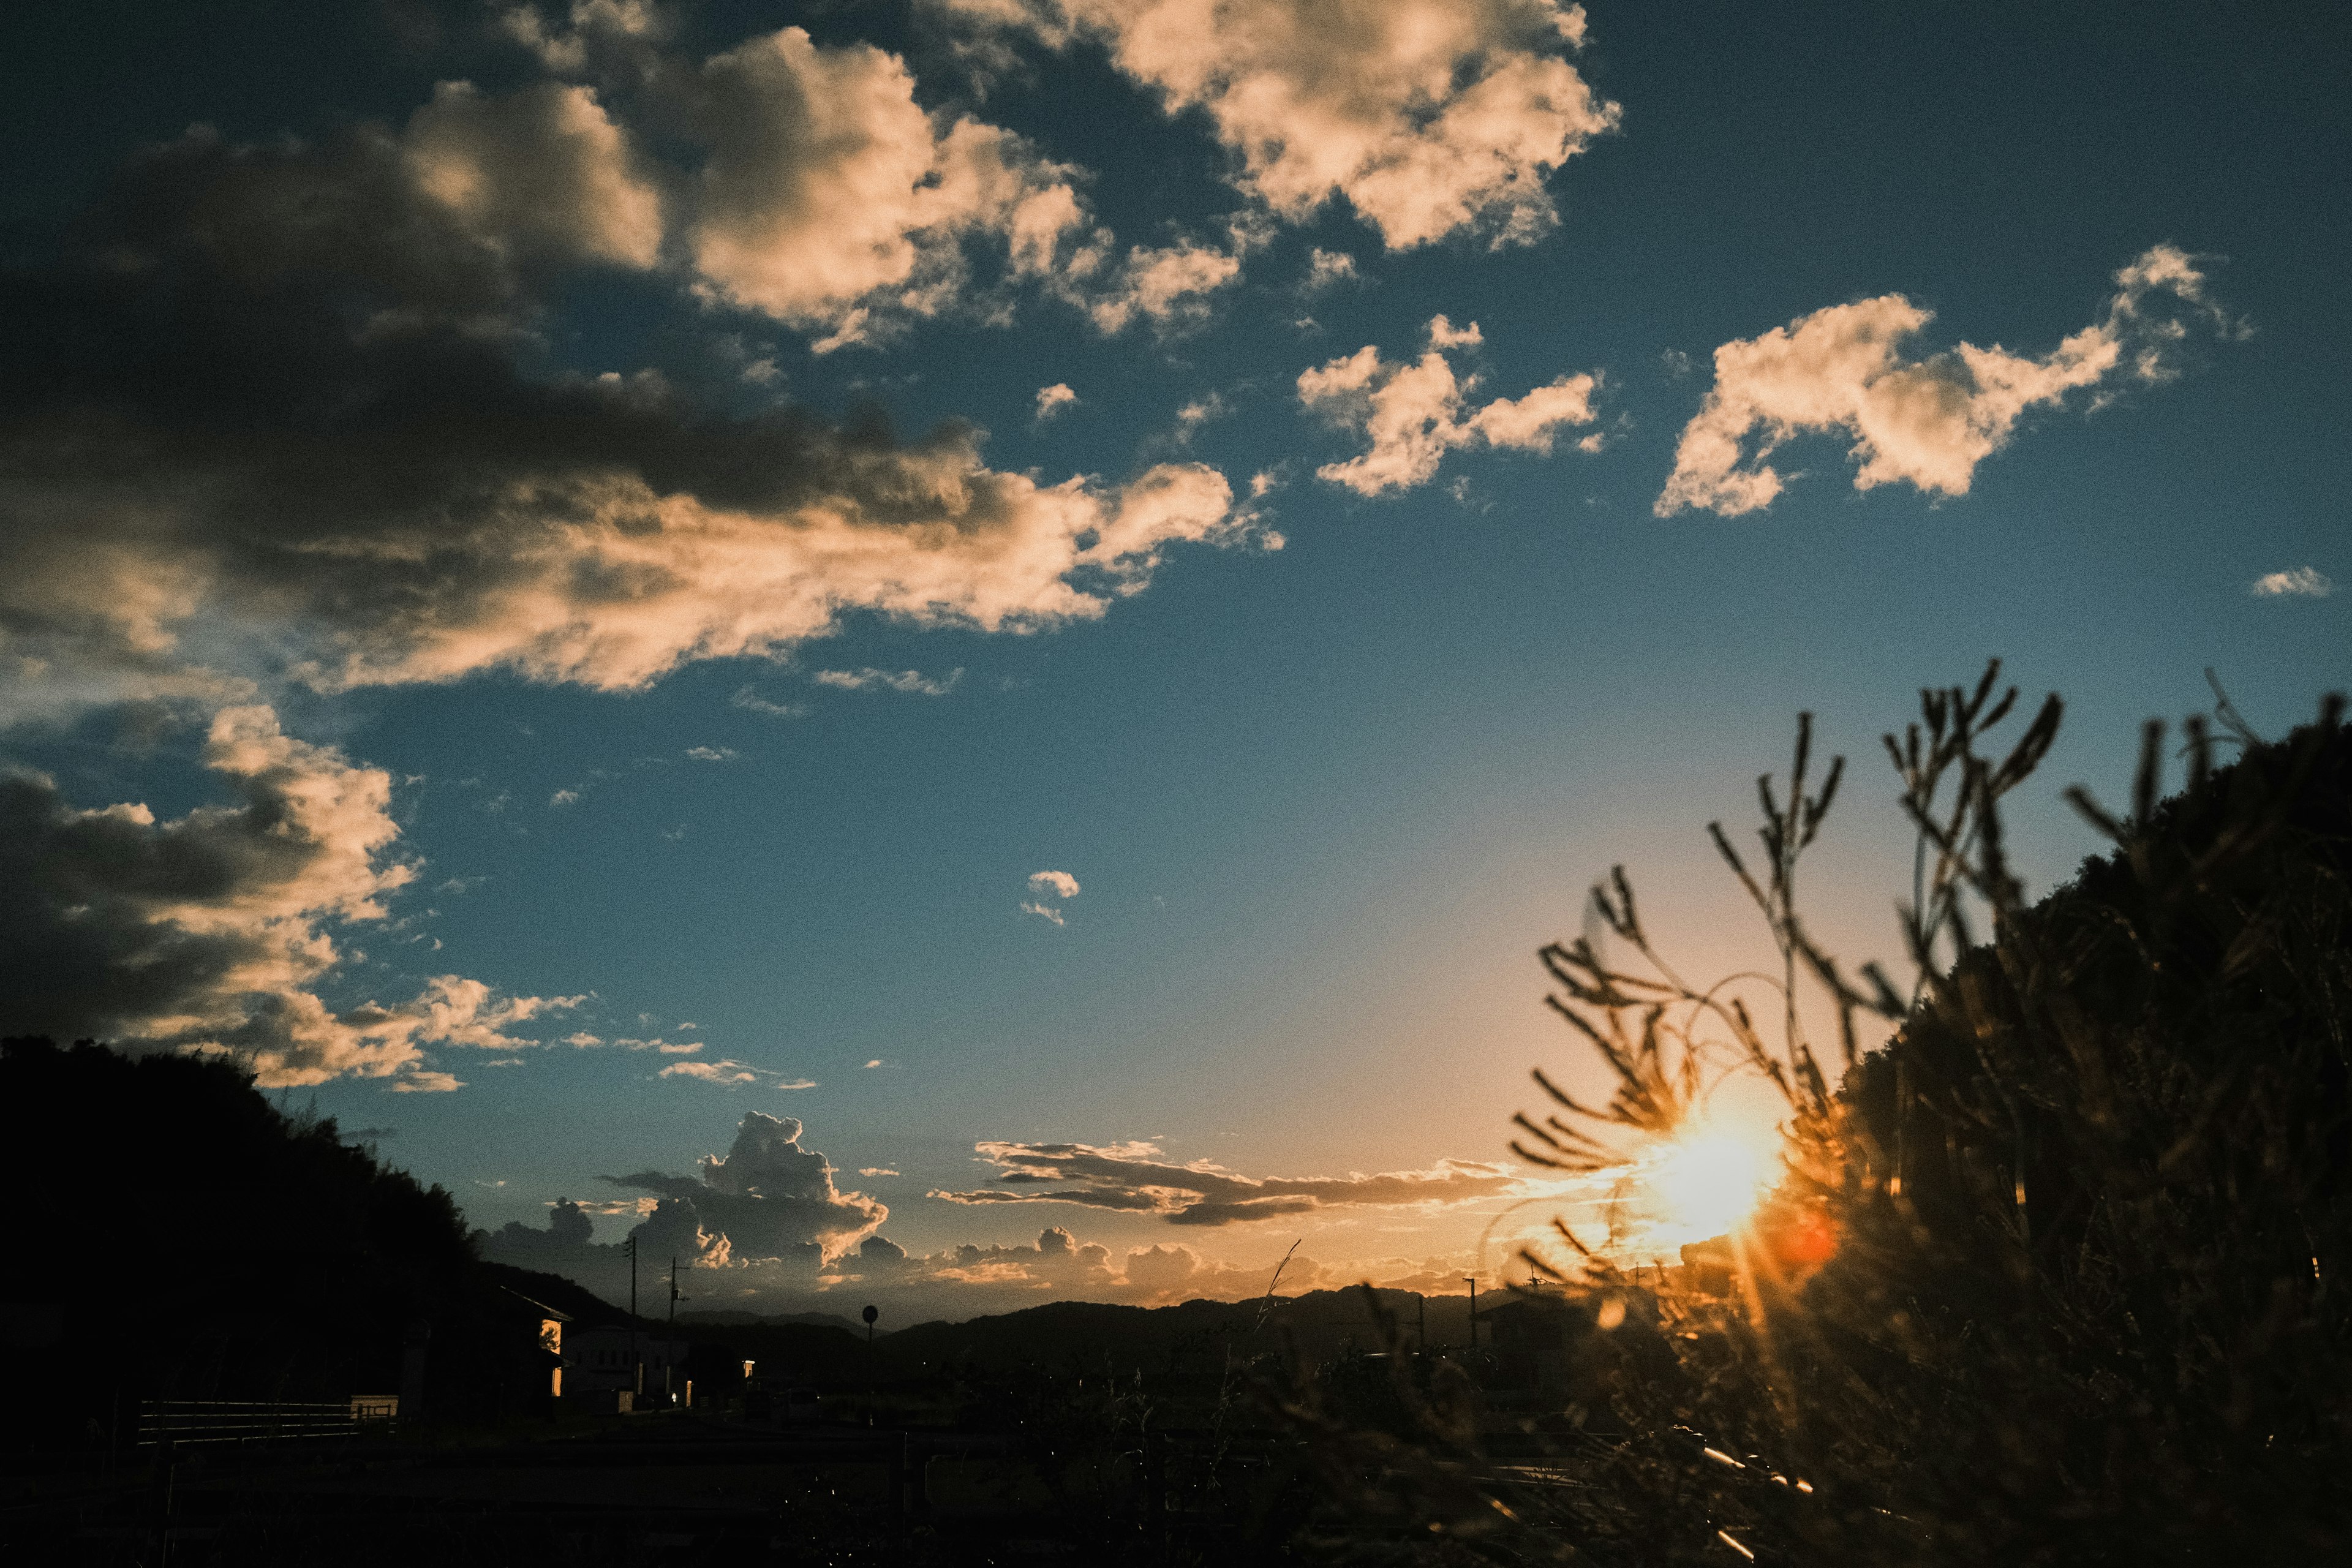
{"type": "Point", "coordinates": [276, 406]}
{"type": "Point", "coordinates": [214, 931]}
{"type": "Point", "coordinates": [1131, 1177]}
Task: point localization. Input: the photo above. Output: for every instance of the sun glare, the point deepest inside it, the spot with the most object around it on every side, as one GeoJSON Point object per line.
{"type": "Point", "coordinates": [1706, 1183]}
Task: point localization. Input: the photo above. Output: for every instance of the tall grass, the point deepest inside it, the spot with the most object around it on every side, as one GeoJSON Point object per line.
{"type": "Point", "coordinates": [2050, 1276]}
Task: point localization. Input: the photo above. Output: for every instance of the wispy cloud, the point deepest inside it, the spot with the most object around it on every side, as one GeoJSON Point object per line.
{"type": "Point", "coordinates": [1042, 912]}
{"type": "Point", "coordinates": [750, 700]}
{"type": "Point", "coordinates": [913, 682]}
{"type": "Point", "coordinates": [1133, 1178]}
{"type": "Point", "coordinates": [727, 1073]}
{"type": "Point", "coordinates": [712, 754]}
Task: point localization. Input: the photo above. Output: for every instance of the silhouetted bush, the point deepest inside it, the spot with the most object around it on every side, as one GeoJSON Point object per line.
{"type": "Point", "coordinates": [2049, 1278]}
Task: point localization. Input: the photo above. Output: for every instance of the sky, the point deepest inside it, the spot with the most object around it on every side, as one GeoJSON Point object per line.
{"type": "Point", "coordinates": [957, 652]}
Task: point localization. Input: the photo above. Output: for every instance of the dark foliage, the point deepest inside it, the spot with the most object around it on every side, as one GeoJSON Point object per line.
{"type": "Point", "coordinates": [203, 1245]}
{"type": "Point", "coordinates": [2049, 1279]}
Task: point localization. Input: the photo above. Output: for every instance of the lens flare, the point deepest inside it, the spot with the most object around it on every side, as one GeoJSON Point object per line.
{"type": "Point", "coordinates": [1705, 1183]}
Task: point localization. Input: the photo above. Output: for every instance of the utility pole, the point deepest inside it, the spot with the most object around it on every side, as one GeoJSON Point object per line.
{"type": "Point", "coordinates": [1472, 1281]}
{"type": "Point", "coordinates": [1421, 1322]}
{"type": "Point", "coordinates": [674, 1296]}
{"type": "Point", "coordinates": [636, 1360]}
{"type": "Point", "coordinates": [870, 1313]}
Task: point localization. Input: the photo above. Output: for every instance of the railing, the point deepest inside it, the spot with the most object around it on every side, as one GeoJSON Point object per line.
{"type": "Point", "coordinates": [183, 1422]}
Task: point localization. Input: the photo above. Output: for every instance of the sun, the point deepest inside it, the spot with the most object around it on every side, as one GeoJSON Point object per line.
{"type": "Point", "coordinates": [1707, 1180]}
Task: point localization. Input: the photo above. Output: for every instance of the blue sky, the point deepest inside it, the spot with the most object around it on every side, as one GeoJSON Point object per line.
{"type": "Point", "coordinates": [693, 695]}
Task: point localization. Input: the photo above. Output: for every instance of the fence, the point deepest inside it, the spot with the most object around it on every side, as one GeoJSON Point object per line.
{"type": "Point", "coordinates": [183, 1422]}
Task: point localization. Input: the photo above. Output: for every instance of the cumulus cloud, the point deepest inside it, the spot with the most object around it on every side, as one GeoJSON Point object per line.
{"type": "Point", "coordinates": [1134, 1178]}
{"type": "Point", "coordinates": [1430, 118]}
{"type": "Point", "coordinates": [829, 199]}
{"type": "Point", "coordinates": [1927, 422]}
{"type": "Point", "coordinates": [1170, 287]}
{"type": "Point", "coordinates": [1051, 400]}
{"type": "Point", "coordinates": [711, 753]}
{"type": "Point", "coordinates": [1411, 416]}
{"type": "Point", "coordinates": [913, 682]}
{"type": "Point", "coordinates": [214, 930]}
{"type": "Point", "coordinates": [2303, 582]}
{"type": "Point", "coordinates": [1053, 884]}
{"type": "Point", "coordinates": [766, 1197]}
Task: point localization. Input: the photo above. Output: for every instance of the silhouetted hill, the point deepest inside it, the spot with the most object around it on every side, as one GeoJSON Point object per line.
{"type": "Point", "coordinates": [1083, 1337]}
{"type": "Point", "coordinates": [221, 1249]}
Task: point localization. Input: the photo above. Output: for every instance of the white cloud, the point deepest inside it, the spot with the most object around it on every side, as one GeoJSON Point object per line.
{"type": "Point", "coordinates": [913, 682]}
{"type": "Point", "coordinates": [564, 798]}
{"type": "Point", "coordinates": [2303, 582]}
{"type": "Point", "coordinates": [876, 1170]}
{"type": "Point", "coordinates": [1413, 415]}
{"type": "Point", "coordinates": [874, 1063]}
{"type": "Point", "coordinates": [711, 753]}
{"type": "Point", "coordinates": [1430, 117]}
{"type": "Point", "coordinates": [1170, 288]}
{"type": "Point", "coordinates": [1053, 884]}
{"type": "Point", "coordinates": [727, 1073]}
{"type": "Point", "coordinates": [1051, 400]}
{"type": "Point", "coordinates": [1925, 422]}
{"type": "Point", "coordinates": [1042, 912]}
{"type": "Point", "coordinates": [829, 199]}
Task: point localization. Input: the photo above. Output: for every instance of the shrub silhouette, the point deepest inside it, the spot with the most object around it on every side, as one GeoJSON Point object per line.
{"type": "Point", "coordinates": [2049, 1278]}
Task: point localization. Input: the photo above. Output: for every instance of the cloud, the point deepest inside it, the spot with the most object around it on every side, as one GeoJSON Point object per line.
{"type": "Point", "coordinates": [913, 682]}
{"type": "Point", "coordinates": [1170, 289]}
{"type": "Point", "coordinates": [712, 754]}
{"type": "Point", "coordinates": [1132, 1178]}
{"type": "Point", "coordinates": [829, 199]}
{"type": "Point", "coordinates": [1431, 118]}
{"type": "Point", "coordinates": [1202, 410]}
{"type": "Point", "coordinates": [1328, 269]}
{"type": "Point", "coordinates": [767, 1196]}
{"type": "Point", "coordinates": [1413, 415]}
{"type": "Point", "coordinates": [725, 1073]}
{"type": "Point", "coordinates": [214, 930]}
{"type": "Point", "coordinates": [1042, 912]}
{"type": "Point", "coordinates": [179, 490]}
{"type": "Point", "coordinates": [1053, 884]}
{"type": "Point", "coordinates": [541, 172]}
{"type": "Point", "coordinates": [750, 700]}
{"type": "Point", "coordinates": [876, 1170]}
{"type": "Point", "coordinates": [267, 416]}
{"type": "Point", "coordinates": [1926, 422]}
{"type": "Point", "coordinates": [1051, 400]}
{"type": "Point", "coordinates": [2303, 582]}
